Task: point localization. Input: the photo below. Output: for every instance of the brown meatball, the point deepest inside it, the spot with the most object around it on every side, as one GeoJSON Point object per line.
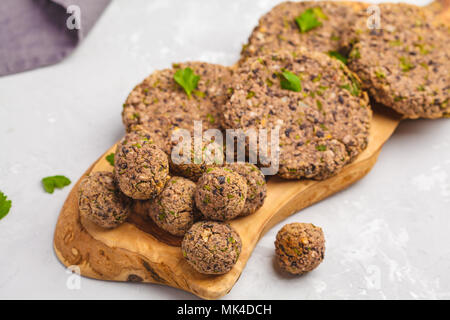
{"type": "Point", "coordinates": [211, 247]}
{"type": "Point", "coordinates": [173, 210]}
{"type": "Point", "coordinates": [101, 201]}
{"type": "Point", "coordinates": [221, 194]}
{"type": "Point", "coordinates": [299, 247]}
{"type": "Point", "coordinates": [141, 168]}
{"type": "Point", "coordinates": [198, 162]}
{"type": "Point", "coordinates": [256, 186]}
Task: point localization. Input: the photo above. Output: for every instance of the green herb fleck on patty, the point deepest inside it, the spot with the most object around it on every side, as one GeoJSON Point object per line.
{"type": "Point", "coordinates": [210, 118]}
{"type": "Point", "coordinates": [338, 56]}
{"type": "Point", "coordinates": [290, 81]}
{"type": "Point", "coordinates": [250, 95]}
{"type": "Point", "coordinates": [353, 87]}
{"type": "Point", "coordinates": [321, 147]}
{"type": "Point", "coordinates": [380, 74]}
{"type": "Point", "coordinates": [405, 64]}
{"type": "Point", "coordinates": [395, 43]}
{"type": "Point", "coordinates": [355, 54]}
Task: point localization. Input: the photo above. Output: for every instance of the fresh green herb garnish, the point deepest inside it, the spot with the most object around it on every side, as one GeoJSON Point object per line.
{"type": "Point", "coordinates": [187, 80]}
{"type": "Point", "coordinates": [110, 158]}
{"type": "Point", "coordinates": [309, 19]}
{"type": "Point", "coordinates": [58, 182]}
{"type": "Point", "coordinates": [5, 205]}
{"type": "Point", "coordinates": [290, 81]}
{"type": "Point", "coordinates": [338, 56]}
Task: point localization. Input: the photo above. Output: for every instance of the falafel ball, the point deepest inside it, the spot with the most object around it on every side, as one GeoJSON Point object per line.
{"type": "Point", "coordinates": [256, 186]}
{"type": "Point", "coordinates": [101, 201]}
{"type": "Point", "coordinates": [173, 210]}
{"type": "Point", "coordinates": [141, 168]}
{"type": "Point", "coordinates": [198, 161]}
{"type": "Point", "coordinates": [299, 247]}
{"type": "Point", "coordinates": [211, 247]}
{"type": "Point", "coordinates": [221, 194]}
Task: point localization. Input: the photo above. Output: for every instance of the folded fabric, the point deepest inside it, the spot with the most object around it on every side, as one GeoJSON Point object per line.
{"type": "Point", "coordinates": [36, 33]}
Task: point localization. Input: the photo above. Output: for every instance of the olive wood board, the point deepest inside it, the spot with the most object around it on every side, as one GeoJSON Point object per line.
{"type": "Point", "coordinates": [139, 251]}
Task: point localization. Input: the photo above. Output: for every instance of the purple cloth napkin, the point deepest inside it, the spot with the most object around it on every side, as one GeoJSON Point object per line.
{"type": "Point", "coordinates": [37, 33]}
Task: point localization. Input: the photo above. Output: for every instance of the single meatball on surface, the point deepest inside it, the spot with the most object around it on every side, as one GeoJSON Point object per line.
{"type": "Point", "coordinates": [141, 168]}
{"type": "Point", "coordinates": [174, 209]}
{"type": "Point", "coordinates": [101, 201]}
{"type": "Point", "coordinates": [211, 247]}
{"type": "Point", "coordinates": [221, 194]}
{"type": "Point", "coordinates": [299, 247]}
{"type": "Point", "coordinates": [256, 186]}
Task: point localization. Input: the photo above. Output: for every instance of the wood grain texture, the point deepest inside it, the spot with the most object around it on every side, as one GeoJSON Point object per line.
{"type": "Point", "coordinates": [139, 251]}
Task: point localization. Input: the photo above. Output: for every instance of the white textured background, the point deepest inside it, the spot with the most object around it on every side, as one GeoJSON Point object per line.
{"type": "Point", "coordinates": [387, 235]}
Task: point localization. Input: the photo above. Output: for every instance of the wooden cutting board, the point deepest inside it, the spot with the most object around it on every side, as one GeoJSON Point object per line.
{"type": "Point", "coordinates": [139, 251]}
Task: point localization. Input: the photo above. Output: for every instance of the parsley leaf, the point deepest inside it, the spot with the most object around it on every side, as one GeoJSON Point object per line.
{"type": "Point", "coordinates": [309, 19]}
{"type": "Point", "coordinates": [5, 205]}
{"type": "Point", "coordinates": [186, 79]}
{"type": "Point", "coordinates": [50, 183]}
{"type": "Point", "coordinates": [290, 81]}
{"type": "Point", "coordinates": [338, 56]}
{"type": "Point", "coordinates": [110, 158]}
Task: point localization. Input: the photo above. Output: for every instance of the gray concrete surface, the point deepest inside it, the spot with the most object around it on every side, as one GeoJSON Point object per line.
{"type": "Point", "coordinates": [387, 235]}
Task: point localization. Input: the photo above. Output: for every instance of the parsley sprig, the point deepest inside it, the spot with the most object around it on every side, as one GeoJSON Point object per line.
{"type": "Point", "coordinates": [5, 205]}
{"type": "Point", "coordinates": [187, 79]}
{"type": "Point", "coordinates": [309, 19]}
{"type": "Point", "coordinates": [110, 158]}
{"type": "Point", "coordinates": [58, 182]}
